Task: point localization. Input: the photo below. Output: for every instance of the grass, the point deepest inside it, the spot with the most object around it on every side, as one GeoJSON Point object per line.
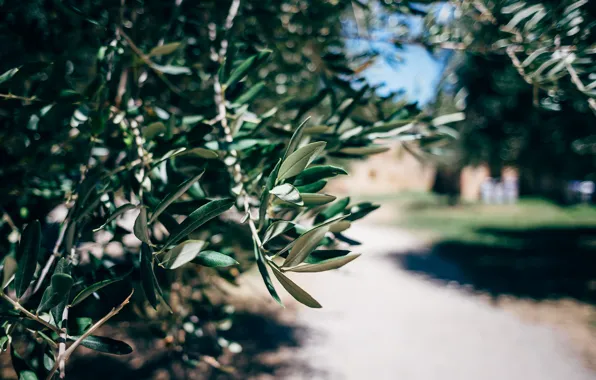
{"type": "Point", "coordinates": [429, 214]}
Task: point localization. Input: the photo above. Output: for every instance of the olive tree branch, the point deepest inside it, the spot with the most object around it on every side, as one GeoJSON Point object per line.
{"type": "Point", "coordinates": [66, 354]}
{"type": "Point", "coordinates": [29, 314]}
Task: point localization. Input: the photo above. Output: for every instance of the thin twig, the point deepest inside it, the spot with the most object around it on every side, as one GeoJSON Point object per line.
{"type": "Point", "coordinates": [150, 63]}
{"type": "Point", "coordinates": [29, 314]}
{"type": "Point", "coordinates": [91, 330]}
{"type": "Point", "coordinates": [24, 98]}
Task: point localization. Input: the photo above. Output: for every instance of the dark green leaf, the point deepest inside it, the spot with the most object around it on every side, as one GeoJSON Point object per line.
{"type": "Point", "coordinates": [83, 294]}
{"type": "Point", "coordinates": [360, 210]}
{"type": "Point", "coordinates": [170, 198]}
{"type": "Point", "coordinates": [8, 74]}
{"type": "Point", "coordinates": [296, 162]}
{"type": "Point", "coordinates": [147, 275]}
{"type": "Point", "coordinates": [333, 210]}
{"type": "Point", "coordinates": [57, 292]}
{"type": "Point", "coordinates": [214, 259]}
{"type": "Point", "coordinates": [154, 129]}
{"type": "Point", "coordinates": [316, 173]}
{"type": "Point", "coordinates": [265, 274]}
{"type": "Point", "coordinates": [247, 66]}
{"type": "Point", "coordinates": [312, 187]}
{"type": "Point", "coordinates": [27, 253]}
{"type": "Point", "coordinates": [249, 95]}
{"type": "Point", "coordinates": [105, 345]}
{"type": "Point", "coordinates": [141, 230]}
{"type": "Point", "coordinates": [198, 217]}
{"type": "Point", "coordinates": [297, 292]}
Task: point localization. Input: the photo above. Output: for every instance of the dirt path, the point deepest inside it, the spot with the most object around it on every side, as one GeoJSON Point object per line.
{"type": "Point", "coordinates": [381, 322]}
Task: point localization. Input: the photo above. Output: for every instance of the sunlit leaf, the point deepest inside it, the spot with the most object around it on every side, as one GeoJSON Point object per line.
{"type": "Point", "coordinates": [296, 162]}
{"type": "Point", "coordinates": [182, 254]}
{"type": "Point", "coordinates": [304, 245]}
{"type": "Point", "coordinates": [287, 193]}
{"type": "Point", "coordinates": [214, 259]}
{"type": "Point", "coordinates": [295, 291]}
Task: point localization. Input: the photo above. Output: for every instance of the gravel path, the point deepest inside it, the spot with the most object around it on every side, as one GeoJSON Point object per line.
{"type": "Point", "coordinates": [380, 322]}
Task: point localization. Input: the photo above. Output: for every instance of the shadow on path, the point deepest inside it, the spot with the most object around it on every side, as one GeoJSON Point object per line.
{"type": "Point", "coordinates": [543, 263]}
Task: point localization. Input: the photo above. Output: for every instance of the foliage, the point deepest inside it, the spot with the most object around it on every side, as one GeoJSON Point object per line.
{"type": "Point", "coordinates": [156, 131]}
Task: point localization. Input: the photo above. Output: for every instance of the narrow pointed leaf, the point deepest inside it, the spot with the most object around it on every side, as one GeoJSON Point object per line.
{"type": "Point", "coordinates": [265, 274]}
{"type": "Point", "coordinates": [295, 140]}
{"type": "Point", "coordinates": [105, 344]}
{"type": "Point", "coordinates": [214, 259]}
{"type": "Point", "coordinates": [165, 49]}
{"type": "Point", "coordinates": [333, 210]}
{"type": "Point", "coordinates": [304, 245]}
{"type": "Point", "coordinates": [56, 293]}
{"type": "Point", "coordinates": [182, 254]}
{"type": "Point", "coordinates": [246, 66]}
{"type": "Point", "coordinates": [321, 255]}
{"type": "Point", "coordinates": [315, 199]}
{"type": "Point", "coordinates": [27, 253]}
{"type": "Point", "coordinates": [316, 173]}
{"type": "Point", "coordinates": [170, 198]}
{"type": "Point", "coordinates": [8, 271]}
{"type": "Point", "coordinates": [296, 162]}
{"type": "Point", "coordinates": [287, 193]}
{"type": "Point", "coordinates": [364, 151]}
{"type": "Point", "coordinates": [276, 229]}
{"type": "Point", "coordinates": [198, 217]}
{"type": "Point", "coordinates": [147, 275]}
{"type": "Point", "coordinates": [140, 229]}
{"type": "Point", "coordinates": [322, 266]}
{"type": "Point", "coordinates": [249, 95]}
{"type": "Point", "coordinates": [83, 294]}
{"type": "Point", "coordinates": [295, 291]}
{"type": "Point", "coordinates": [119, 211]}
{"type": "Point", "coordinates": [339, 226]}
{"type": "Point", "coordinates": [312, 187]}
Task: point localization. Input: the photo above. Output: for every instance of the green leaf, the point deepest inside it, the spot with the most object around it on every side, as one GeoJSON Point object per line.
{"type": "Point", "coordinates": [333, 210]}
{"type": "Point", "coordinates": [304, 245]}
{"type": "Point", "coordinates": [214, 259]}
{"type": "Point", "coordinates": [364, 150]}
{"type": "Point", "coordinates": [57, 292]}
{"type": "Point", "coordinates": [360, 210]}
{"type": "Point", "coordinates": [9, 74]}
{"type": "Point", "coordinates": [287, 193]}
{"type": "Point", "coordinates": [207, 154]}
{"type": "Point", "coordinates": [83, 294]}
{"type": "Point", "coordinates": [297, 292]}
{"type": "Point", "coordinates": [140, 229]}
{"type": "Point", "coordinates": [147, 275]}
{"type": "Point", "coordinates": [172, 70]}
{"type": "Point", "coordinates": [119, 211]}
{"type": "Point", "coordinates": [295, 140]}
{"type": "Point", "coordinates": [165, 49]}
{"type": "Point", "coordinates": [276, 229]}
{"type": "Point", "coordinates": [340, 226]}
{"type": "Point", "coordinates": [315, 199]}
{"type": "Point", "coordinates": [27, 253]}
{"type": "Point", "coordinates": [247, 66]}
{"type": "Point", "coordinates": [249, 95]}
{"type": "Point", "coordinates": [312, 187]}
{"type": "Point", "coordinates": [182, 254]}
{"type": "Point", "coordinates": [321, 255]}
{"type": "Point", "coordinates": [322, 266]}
{"type": "Point", "coordinates": [21, 367]}
{"type": "Point", "coordinates": [170, 198]}
{"type": "Point", "coordinates": [296, 162]}
{"type": "Point", "coordinates": [8, 271]}
{"type": "Point", "coordinates": [105, 344]}
{"type": "Point", "coordinates": [198, 217]}
{"type": "Point", "coordinates": [154, 129]}
{"type": "Point", "coordinates": [316, 173]}
{"type": "Point", "coordinates": [265, 274]}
